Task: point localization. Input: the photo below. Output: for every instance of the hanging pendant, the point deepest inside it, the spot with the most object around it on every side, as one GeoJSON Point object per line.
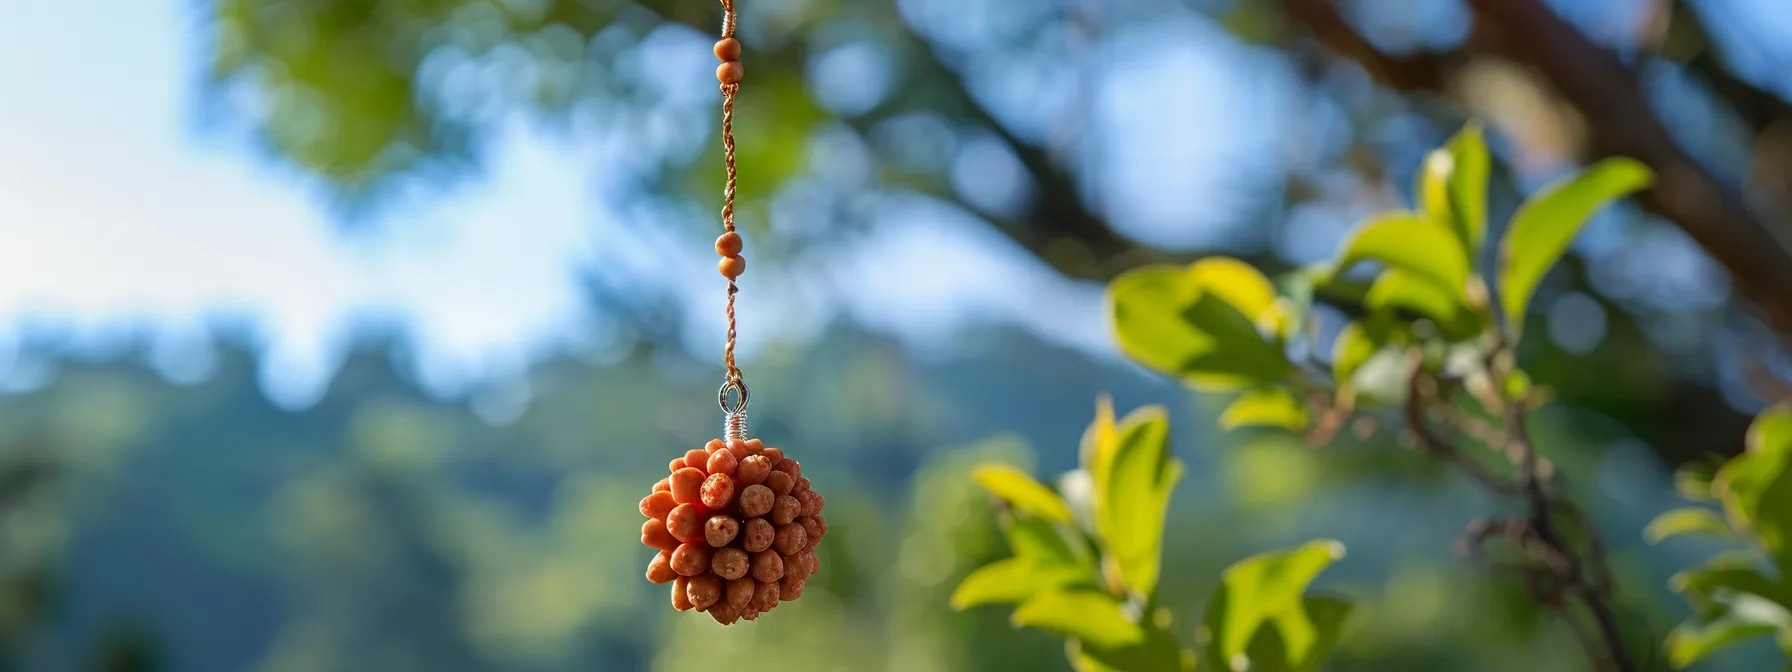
{"type": "Point", "coordinates": [735, 523]}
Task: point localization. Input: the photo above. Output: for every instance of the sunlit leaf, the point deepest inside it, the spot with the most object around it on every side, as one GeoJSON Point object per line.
{"type": "Point", "coordinates": [1237, 282]}
{"type": "Point", "coordinates": [1086, 615]}
{"type": "Point", "coordinates": [1100, 440]}
{"type": "Point", "coordinates": [1269, 588]}
{"type": "Point", "coordinates": [1039, 540]}
{"type": "Point", "coordinates": [1688, 643]}
{"type": "Point", "coordinates": [1353, 346]}
{"type": "Point", "coordinates": [1011, 581]}
{"type": "Point", "coordinates": [1183, 322]}
{"type": "Point", "coordinates": [1327, 615]}
{"type": "Point", "coordinates": [1453, 185]}
{"type": "Point", "coordinates": [1157, 652]}
{"type": "Point", "coordinates": [1137, 496]}
{"type": "Point", "coordinates": [1542, 228]}
{"type": "Point", "coordinates": [1265, 407]}
{"type": "Point", "coordinates": [1397, 288]}
{"type": "Point", "coordinates": [1720, 579]}
{"type": "Point", "coordinates": [1412, 242]}
{"type": "Point", "coordinates": [1020, 490]}
{"type": "Point", "coordinates": [1689, 520]}
{"type": "Point", "coordinates": [1756, 486]}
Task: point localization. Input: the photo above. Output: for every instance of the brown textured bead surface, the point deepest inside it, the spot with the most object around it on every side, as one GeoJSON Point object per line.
{"type": "Point", "coordinates": [730, 72]}
{"type": "Point", "coordinates": [728, 244]}
{"type": "Point", "coordinates": [728, 49]}
{"type": "Point", "coordinates": [735, 527]}
{"type": "Point", "coordinates": [732, 267]}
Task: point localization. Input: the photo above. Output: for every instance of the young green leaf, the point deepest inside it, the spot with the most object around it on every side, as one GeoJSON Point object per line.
{"type": "Point", "coordinates": [1688, 520]}
{"type": "Point", "coordinates": [1542, 228]}
{"type": "Point", "coordinates": [1157, 652]}
{"type": "Point", "coordinates": [1011, 581]}
{"type": "Point", "coordinates": [1757, 485]}
{"type": "Point", "coordinates": [1020, 490]}
{"type": "Point", "coordinates": [1398, 288]}
{"type": "Point", "coordinates": [1184, 322]}
{"type": "Point", "coordinates": [1265, 588]}
{"type": "Point", "coordinates": [1689, 643]}
{"type": "Point", "coordinates": [1086, 615]}
{"type": "Point", "coordinates": [1265, 407]}
{"type": "Point", "coordinates": [1040, 540]}
{"type": "Point", "coordinates": [1412, 242]}
{"type": "Point", "coordinates": [1353, 346]}
{"type": "Point", "coordinates": [1136, 497]}
{"type": "Point", "coordinates": [1720, 579]}
{"type": "Point", "coordinates": [1453, 185]}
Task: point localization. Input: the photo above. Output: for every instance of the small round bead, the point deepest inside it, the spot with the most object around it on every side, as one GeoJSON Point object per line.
{"type": "Point", "coordinates": [681, 599]}
{"type": "Point", "coordinates": [721, 462]}
{"type": "Point", "coordinates": [790, 539]}
{"type": "Point", "coordinates": [756, 501]}
{"type": "Point", "coordinates": [784, 510]}
{"type": "Point", "coordinates": [687, 485]}
{"type": "Point", "coordinates": [732, 267]}
{"type": "Point", "coordinates": [655, 535]}
{"type": "Point", "coordinates": [781, 483]}
{"type": "Point", "coordinates": [686, 522]}
{"type": "Point", "coordinates": [767, 566]}
{"type": "Point", "coordinates": [740, 592]}
{"type": "Point", "coordinates": [657, 505]}
{"type": "Point", "coordinates": [704, 590]}
{"type": "Point", "coordinates": [753, 470]}
{"type": "Point", "coordinates": [729, 563]}
{"type": "Point", "coordinates": [730, 72]}
{"type": "Point", "coordinates": [660, 569]}
{"type": "Point", "coordinates": [720, 530]}
{"type": "Point", "coordinates": [728, 49]}
{"type": "Point", "coordinates": [691, 559]}
{"type": "Point", "coordinates": [728, 244]}
{"type": "Point", "coordinates": [758, 535]}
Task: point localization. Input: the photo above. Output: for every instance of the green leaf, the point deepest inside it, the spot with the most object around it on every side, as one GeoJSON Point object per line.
{"type": "Point", "coordinates": [1401, 289]}
{"type": "Point", "coordinates": [1011, 581]}
{"type": "Point", "coordinates": [1688, 643]}
{"type": "Point", "coordinates": [1720, 580]}
{"type": "Point", "coordinates": [1689, 520]}
{"type": "Point", "coordinates": [1136, 496]}
{"type": "Point", "coordinates": [1020, 490]}
{"type": "Point", "coordinates": [1328, 615]}
{"type": "Point", "coordinates": [1157, 652]}
{"type": "Point", "coordinates": [1268, 588]}
{"type": "Point", "coordinates": [1039, 540]}
{"type": "Point", "coordinates": [1542, 228]}
{"type": "Point", "coordinates": [1756, 486]}
{"type": "Point", "coordinates": [1265, 407]}
{"type": "Point", "coordinates": [1086, 615]}
{"type": "Point", "coordinates": [1412, 242]}
{"type": "Point", "coordinates": [1453, 185]}
{"type": "Point", "coordinates": [1353, 346]}
{"type": "Point", "coordinates": [1198, 323]}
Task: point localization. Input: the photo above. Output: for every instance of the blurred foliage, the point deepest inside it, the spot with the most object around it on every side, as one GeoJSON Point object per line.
{"type": "Point", "coordinates": [1086, 568]}
{"type": "Point", "coordinates": [1745, 593]}
{"type": "Point", "coordinates": [1423, 324]}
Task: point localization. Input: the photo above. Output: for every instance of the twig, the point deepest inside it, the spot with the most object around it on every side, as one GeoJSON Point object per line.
{"type": "Point", "coordinates": [1419, 393]}
{"type": "Point", "coordinates": [1605, 91]}
{"type": "Point", "coordinates": [1552, 570]}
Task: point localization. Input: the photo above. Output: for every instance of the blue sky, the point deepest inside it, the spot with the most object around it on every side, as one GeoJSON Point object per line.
{"type": "Point", "coordinates": [121, 214]}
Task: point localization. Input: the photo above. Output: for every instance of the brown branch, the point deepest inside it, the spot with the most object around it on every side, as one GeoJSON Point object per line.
{"type": "Point", "coordinates": [1605, 92]}
{"type": "Point", "coordinates": [1552, 570]}
{"type": "Point", "coordinates": [1420, 394]}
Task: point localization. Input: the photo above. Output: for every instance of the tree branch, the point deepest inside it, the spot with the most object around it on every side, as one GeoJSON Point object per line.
{"type": "Point", "coordinates": [1605, 92]}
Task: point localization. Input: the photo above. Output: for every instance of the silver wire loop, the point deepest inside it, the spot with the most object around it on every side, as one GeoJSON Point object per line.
{"type": "Point", "coordinates": [722, 396]}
